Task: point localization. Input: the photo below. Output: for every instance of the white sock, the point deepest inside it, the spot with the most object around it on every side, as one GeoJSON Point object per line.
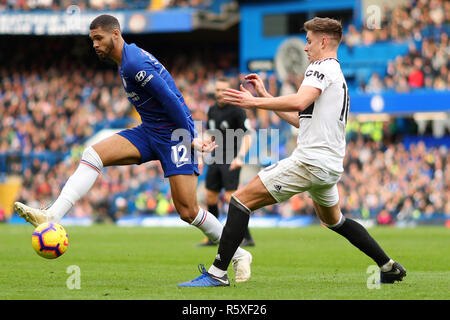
{"type": "Point", "coordinates": [212, 228]}
{"type": "Point", "coordinates": [79, 183]}
{"type": "Point", "coordinates": [216, 271]}
{"type": "Point", "coordinates": [209, 224]}
{"type": "Point", "coordinates": [387, 266]}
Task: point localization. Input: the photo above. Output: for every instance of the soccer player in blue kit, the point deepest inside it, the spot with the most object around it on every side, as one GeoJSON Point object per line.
{"type": "Point", "coordinates": [167, 134]}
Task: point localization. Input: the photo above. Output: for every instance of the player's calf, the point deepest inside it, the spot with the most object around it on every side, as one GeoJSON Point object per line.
{"type": "Point", "coordinates": [360, 238]}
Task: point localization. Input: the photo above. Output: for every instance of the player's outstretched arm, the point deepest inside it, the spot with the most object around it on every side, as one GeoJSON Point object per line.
{"type": "Point", "coordinates": [292, 102]}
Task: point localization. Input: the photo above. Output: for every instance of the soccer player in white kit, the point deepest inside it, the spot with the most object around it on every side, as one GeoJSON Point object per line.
{"type": "Point", "coordinates": [319, 109]}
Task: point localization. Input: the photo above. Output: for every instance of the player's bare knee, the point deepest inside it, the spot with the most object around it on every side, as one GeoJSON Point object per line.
{"type": "Point", "coordinates": [227, 196]}
{"type": "Point", "coordinates": [187, 213]}
{"type": "Point", "coordinates": [92, 158]}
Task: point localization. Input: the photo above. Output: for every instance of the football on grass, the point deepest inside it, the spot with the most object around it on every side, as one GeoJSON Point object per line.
{"type": "Point", "coordinates": [50, 240]}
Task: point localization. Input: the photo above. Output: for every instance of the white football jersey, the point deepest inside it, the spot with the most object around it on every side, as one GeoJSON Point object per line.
{"type": "Point", "coordinates": [321, 135]}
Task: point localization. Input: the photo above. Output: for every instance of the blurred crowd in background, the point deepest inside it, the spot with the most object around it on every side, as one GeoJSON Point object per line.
{"type": "Point", "coordinates": [52, 105]}
{"type": "Point", "coordinates": [411, 20]}
{"type": "Point", "coordinates": [426, 22]}
{"type": "Point", "coordinates": [58, 5]}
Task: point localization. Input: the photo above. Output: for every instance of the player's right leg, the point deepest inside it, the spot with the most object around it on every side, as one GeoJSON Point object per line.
{"type": "Point", "coordinates": [114, 150]}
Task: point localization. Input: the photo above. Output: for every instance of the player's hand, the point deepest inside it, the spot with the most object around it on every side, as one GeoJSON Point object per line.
{"type": "Point", "coordinates": [203, 146]}
{"type": "Point", "coordinates": [236, 163]}
{"type": "Point", "coordinates": [256, 81]}
{"type": "Point", "coordinates": [241, 98]}
{"type": "Point", "coordinates": [200, 163]}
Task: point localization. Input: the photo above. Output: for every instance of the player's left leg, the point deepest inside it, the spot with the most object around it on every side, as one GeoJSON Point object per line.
{"type": "Point", "coordinates": [184, 194]}
{"type": "Point", "coordinates": [331, 216]}
{"type": "Point", "coordinates": [114, 150]}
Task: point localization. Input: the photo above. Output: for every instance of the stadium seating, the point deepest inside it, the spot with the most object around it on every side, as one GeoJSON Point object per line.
{"type": "Point", "coordinates": [78, 101]}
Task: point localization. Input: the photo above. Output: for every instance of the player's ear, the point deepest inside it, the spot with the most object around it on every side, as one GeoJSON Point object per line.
{"type": "Point", "coordinates": [116, 34]}
{"type": "Point", "coordinates": [324, 41]}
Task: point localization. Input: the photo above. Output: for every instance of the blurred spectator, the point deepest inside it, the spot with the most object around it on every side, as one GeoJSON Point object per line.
{"type": "Point", "coordinates": [402, 85]}
{"type": "Point", "coordinates": [58, 5]}
{"type": "Point", "coordinates": [2, 214]}
{"type": "Point", "coordinates": [353, 37]}
{"type": "Point", "coordinates": [406, 214]}
{"type": "Point", "coordinates": [56, 103]}
{"type": "Point", "coordinates": [411, 21]}
{"type": "Point", "coordinates": [385, 218]}
{"type": "Point", "coordinates": [375, 84]}
{"type": "Point", "coordinates": [415, 78]}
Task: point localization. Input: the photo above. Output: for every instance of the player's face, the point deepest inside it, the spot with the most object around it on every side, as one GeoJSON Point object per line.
{"type": "Point", "coordinates": [220, 88]}
{"type": "Point", "coordinates": [102, 41]}
{"type": "Point", "coordinates": [313, 46]}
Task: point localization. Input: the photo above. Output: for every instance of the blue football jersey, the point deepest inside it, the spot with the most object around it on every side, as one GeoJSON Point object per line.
{"type": "Point", "coordinates": [153, 92]}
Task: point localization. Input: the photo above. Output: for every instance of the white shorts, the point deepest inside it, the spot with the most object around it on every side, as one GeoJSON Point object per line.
{"type": "Point", "coordinates": [290, 176]}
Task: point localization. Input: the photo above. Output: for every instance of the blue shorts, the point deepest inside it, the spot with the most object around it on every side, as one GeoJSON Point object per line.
{"type": "Point", "coordinates": [175, 156]}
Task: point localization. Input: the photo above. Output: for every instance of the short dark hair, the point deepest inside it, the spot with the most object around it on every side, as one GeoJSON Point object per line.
{"type": "Point", "coordinates": [328, 26]}
{"type": "Point", "coordinates": [106, 22]}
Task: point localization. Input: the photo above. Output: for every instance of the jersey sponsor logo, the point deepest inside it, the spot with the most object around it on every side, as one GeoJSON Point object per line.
{"type": "Point", "coordinates": [146, 80]}
{"type": "Point", "coordinates": [140, 75]}
{"type": "Point", "coordinates": [315, 73]}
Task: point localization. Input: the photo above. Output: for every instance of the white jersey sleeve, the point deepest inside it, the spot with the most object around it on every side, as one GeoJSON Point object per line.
{"type": "Point", "coordinates": [317, 77]}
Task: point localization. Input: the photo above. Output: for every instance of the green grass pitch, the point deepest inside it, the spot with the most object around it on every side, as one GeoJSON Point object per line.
{"type": "Point", "coordinates": [288, 264]}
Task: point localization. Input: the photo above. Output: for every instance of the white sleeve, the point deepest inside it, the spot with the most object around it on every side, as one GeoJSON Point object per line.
{"type": "Point", "coordinates": [316, 76]}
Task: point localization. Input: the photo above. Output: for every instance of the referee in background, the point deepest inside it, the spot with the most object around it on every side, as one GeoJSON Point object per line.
{"type": "Point", "coordinates": [224, 170]}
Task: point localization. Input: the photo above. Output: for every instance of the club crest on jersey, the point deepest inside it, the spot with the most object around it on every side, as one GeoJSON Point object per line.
{"type": "Point", "coordinates": [140, 75]}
